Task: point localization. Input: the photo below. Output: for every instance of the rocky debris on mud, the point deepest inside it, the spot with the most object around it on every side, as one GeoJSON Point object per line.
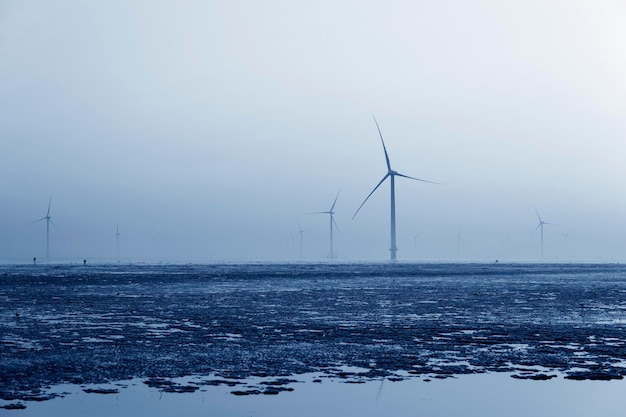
{"type": "Point", "coordinates": [279, 382]}
{"type": "Point", "coordinates": [248, 392]}
{"type": "Point", "coordinates": [218, 382]}
{"type": "Point", "coordinates": [13, 406]}
{"type": "Point", "coordinates": [533, 376]}
{"type": "Point", "coordinates": [594, 375]}
{"type": "Point", "coordinates": [101, 390]}
{"type": "Point", "coordinates": [166, 385]}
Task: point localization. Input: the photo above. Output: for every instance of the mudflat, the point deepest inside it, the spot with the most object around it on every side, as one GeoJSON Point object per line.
{"type": "Point", "coordinates": [95, 324]}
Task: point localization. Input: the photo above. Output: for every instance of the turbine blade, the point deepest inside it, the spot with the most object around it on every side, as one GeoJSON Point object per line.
{"type": "Point", "coordinates": [319, 212]}
{"type": "Point", "coordinates": [334, 222]}
{"type": "Point", "coordinates": [43, 218]}
{"type": "Point", "coordinates": [49, 203]}
{"type": "Point", "coordinates": [537, 213]}
{"type": "Point", "coordinates": [52, 223]}
{"type": "Point", "coordinates": [369, 195]}
{"type": "Point", "coordinates": [335, 202]}
{"type": "Point", "coordinates": [538, 226]}
{"type": "Point", "coordinates": [416, 179]}
{"type": "Point", "coordinates": [384, 147]}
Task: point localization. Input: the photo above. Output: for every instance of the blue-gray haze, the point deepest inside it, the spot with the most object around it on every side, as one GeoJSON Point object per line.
{"type": "Point", "coordinates": [208, 129]}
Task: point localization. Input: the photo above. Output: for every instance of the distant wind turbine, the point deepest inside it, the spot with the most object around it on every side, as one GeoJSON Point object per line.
{"type": "Point", "coordinates": [392, 174]}
{"type": "Point", "coordinates": [300, 233]}
{"type": "Point", "coordinates": [415, 243]}
{"type": "Point", "coordinates": [565, 236]}
{"type": "Point", "coordinates": [49, 221]}
{"type": "Point", "coordinates": [331, 213]}
{"type": "Point", "coordinates": [540, 226]}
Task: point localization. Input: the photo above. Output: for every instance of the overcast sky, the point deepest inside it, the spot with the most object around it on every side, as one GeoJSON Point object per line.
{"type": "Point", "coordinates": [209, 129]}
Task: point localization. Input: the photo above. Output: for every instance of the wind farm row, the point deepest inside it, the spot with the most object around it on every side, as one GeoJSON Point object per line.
{"type": "Point", "coordinates": [455, 246]}
{"type": "Point", "coordinates": [393, 249]}
{"type": "Point", "coordinates": [298, 237]}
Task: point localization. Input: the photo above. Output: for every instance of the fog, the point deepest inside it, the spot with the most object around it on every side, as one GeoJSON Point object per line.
{"type": "Point", "coordinates": [208, 130]}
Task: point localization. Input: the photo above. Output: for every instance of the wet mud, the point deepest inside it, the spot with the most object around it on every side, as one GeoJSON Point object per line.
{"type": "Point", "coordinates": [97, 324]}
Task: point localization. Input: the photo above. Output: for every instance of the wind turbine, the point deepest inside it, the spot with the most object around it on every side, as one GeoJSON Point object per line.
{"type": "Point", "coordinates": [391, 174]}
{"type": "Point", "coordinates": [540, 226]}
{"type": "Point", "coordinates": [117, 239]}
{"type": "Point", "coordinates": [48, 220]}
{"type": "Point", "coordinates": [300, 233]}
{"type": "Point", "coordinates": [565, 236]}
{"type": "Point", "coordinates": [415, 243]}
{"type": "Point", "coordinates": [331, 213]}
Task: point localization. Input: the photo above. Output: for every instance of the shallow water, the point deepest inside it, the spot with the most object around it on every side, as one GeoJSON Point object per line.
{"type": "Point", "coordinates": [481, 395]}
{"type": "Point", "coordinates": [72, 324]}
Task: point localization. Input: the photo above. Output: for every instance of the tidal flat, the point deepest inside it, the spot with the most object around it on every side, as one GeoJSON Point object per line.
{"type": "Point", "coordinates": [268, 333]}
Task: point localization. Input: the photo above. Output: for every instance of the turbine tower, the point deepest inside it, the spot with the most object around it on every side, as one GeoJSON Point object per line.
{"type": "Point", "coordinates": [540, 226]}
{"type": "Point", "coordinates": [331, 213]}
{"type": "Point", "coordinates": [48, 220]}
{"type": "Point", "coordinates": [391, 174]}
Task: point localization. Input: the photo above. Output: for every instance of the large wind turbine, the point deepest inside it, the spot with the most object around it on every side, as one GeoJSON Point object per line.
{"type": "Point", "coordinates": [540, 226]}
{"type": "Point", "coordinates": [331, 214]}
{"type": "Point", "coordinates": [48, 220]}
{"type": "Point", "coordinates": [391, 174]}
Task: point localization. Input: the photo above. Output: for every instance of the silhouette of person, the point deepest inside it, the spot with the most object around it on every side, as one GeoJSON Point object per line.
{"type": "Point", "coordinates": [35, 261]}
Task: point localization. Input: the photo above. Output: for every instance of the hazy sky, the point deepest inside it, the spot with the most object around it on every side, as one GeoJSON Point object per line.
{"type": "Point", "coordinates": [208, 129]}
